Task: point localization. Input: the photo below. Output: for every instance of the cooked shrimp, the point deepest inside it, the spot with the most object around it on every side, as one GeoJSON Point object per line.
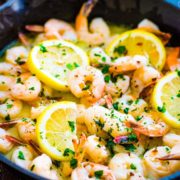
{"type": "Point", "coordinates": [98, 56]}
{"type": "Point", "coordinates": [128, 63]}
{"type": "Point", "coordinates": [59, 29]}
{"type": "Point", "coordinates": [27, 87]}
{"type": "Point", "coordinates": [96, 150]}
{"type": "Point", "coordinates": [86, 82]}
{"type": "Point", "coordinates": [134, 106]}
{"type": "Point", "coordinates": [9, 107]}
{"type": "Point", "coordinates": [22, 156]}
{"type": "Point", "coordinates": [26, 129]}
{"type": "Point", "coordinates": [10, 69]}
{"type": "Point", "coordinates": [150, 125]}
{"type": "Point", "coordinates": [89, 170]}
{"type": "Point", "coordinates": [43, 169]}
{"type": "Point", "coordinates": [126, 166]}
{"type": "Point", "coordinates": [172, 61]}
{"type": "Point", "coordinates": [99, 119]}
{"type": "Point", "coordinates": [5, 145]}
{"type": "Point", "coordinates": [142, 78]}
{"type": "Point", "coordinates": [147, 23]}
{"type": "Point", "coordinates": [6, 82]}
{"type": "Point", "coordinates": [16, 54]}
{"type": "Point", "coordinates": [99, 28]}
{"type": "Point", "coordinates": [159, 168]}
{"type": "Point", "coordinates": [119, 87]}
{"type": "Point", "coordinates": [172, 138]}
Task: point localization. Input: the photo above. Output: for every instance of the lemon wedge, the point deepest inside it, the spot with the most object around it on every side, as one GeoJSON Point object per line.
{"type": "Point", "coordinates": [55, 129]}
{"type": "Point", "coordinates": [139, 42]}
{"type": "Point", "coordinates": [51, 61]}
{"type": "Point", "coordinates": [166, 98]}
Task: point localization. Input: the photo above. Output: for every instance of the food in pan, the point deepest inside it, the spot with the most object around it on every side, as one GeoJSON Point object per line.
{"type": "Point", "coordinates": [88, 101]}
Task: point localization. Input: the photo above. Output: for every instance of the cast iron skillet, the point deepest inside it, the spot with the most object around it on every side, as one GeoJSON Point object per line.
{"type": "Point", "coordinates": [14, 14]}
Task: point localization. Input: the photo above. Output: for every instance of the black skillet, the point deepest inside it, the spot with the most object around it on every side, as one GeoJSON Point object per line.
{"type": "Point", "coordinates": [14, 14]}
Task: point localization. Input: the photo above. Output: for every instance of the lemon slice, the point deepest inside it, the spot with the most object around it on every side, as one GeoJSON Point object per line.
{"type": "Point", "coordinates": [51, 61]}
{"type": "Point", "coordinates": [139, 42]}
{"type": "Point", "coordinates": [55, 130]}
{"type": "Point", "coordinates": [166, 98]}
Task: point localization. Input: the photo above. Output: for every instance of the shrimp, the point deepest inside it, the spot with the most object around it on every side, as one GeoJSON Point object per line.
{"type": "Point", "coordinates": [172, 138]}
{"type": "Point", "coordinates": [43, 169]}
{"type": "Point", "coordinates": [149, 26]}
{"type": "Point", "coordinates": [9, 107]}
{"type": "Point", "coordinates": [119, 87]}
{"type": "Point", "coordinates": [10, 69]}
{"type": "Point", "coordinates": [157, 167]}
{"type": "Point", "coordinates": [149, 125]}
{"type": "Point", "coordinates": [5, 145]}
{"type": "Point", "coordinates": [89, 170]}
{"type": "Point", "coordinates": [26, 129]}
{"type": "Point", "coordinates": [6, 82]}
{"type": "Point", "coordinates": [126, 166]}
{"type": "Point", "coordinates": [59, 29]}
{"type": "Point", "coordinates": [27, 87]}
{"type": "Point", "coordinates": [16, 54]}
{"type": "Point", "coordinates": [172, 61]}
{"type": "Point", "coordinates": [142, 78]}
{"type": "Point", "coordinates": [86, 82]}
{"type": "Point", "coordinates": [130, 105]}
{"type": "Point", "coordinates": [99, 119]}
{"type": "Point", "coordinates": [22, 156]}
{"type": "Point", "coordinates": [96, 150]}
{"type": "Point", "coordinates": [128, 63]}
{"type": "Point", "coordinates": [99, 28]}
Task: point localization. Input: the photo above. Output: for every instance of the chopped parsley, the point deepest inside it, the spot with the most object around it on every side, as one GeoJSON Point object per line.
{"type": "Point", "coordinates": [42, 48]}
{"type": "Point", "coordinates": [132, 138]}
{"type": "Point", "coordinates": [126, 110]}
{"type": "Point", "coordinates": [167, 149]}
{"type": "Point", "coordinates": [138, 118]}
{"type": "Point", "coordinates": [68, 151]}
{"type": "Point", "coordinates": [19, 61]}
{"type": "Point", "coordinates": [9, 106]}
{"type": "Point", "coordinates": [136, 101]}
{"type": "Point", "coordinates": [103, 59]}
{"type": "Point", "coordinates": [132, 166]}
{"type": "Point", "coordinates": [162, 109]}
{"type": "Point", "coordinates": [115, 106]}
{"type": "Point", "coordinates": [72, 125]}
{"type": "Point", "coordinates": [105, 69]}
{"type": "Point", "coordinates": [99, 123]}
{"type": "Point", "coordinates": [7, 118]}
{"type": "Point", "coordinates": [72, 66]}
{"type": "Point", "coordinates": [121, 50]}
{"type": "Point", "coordinates": [97, 55]}
{"type": "Point", "coordinates": [73, 163]}
{"type": "Point", "coordinates": [86, 87]}
{"type": "Point", "coordinates": [18, 80]}
{"type": "Point", "coordinates": [21, 155]}
{"type": "Point", "coordinates": [59, 45]}
{"type": "Point", "coordinates": [129, 147]}
{"type": "Point", "coordinates": [178, 72]}
{"type": "Point", "coordinates": [32, 88]}
{"type": "Point", "coordinates": [107, 78]}
{"type": "Point", "coordinates": [56, 75]}
{"type": "Point", "coordinates": [98, 174]}
{"type": "Point", "coordinates": [110, 145]}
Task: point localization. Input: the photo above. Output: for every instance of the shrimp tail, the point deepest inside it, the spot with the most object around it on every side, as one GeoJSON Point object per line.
{"type": "Point", "coordinates": [14, 140]}
{"type": "Point", "coordinates": [87, 7]}
{"type": "Point", "coordinates": [24, 40]}
{"type": "Point", "coordinates": [34, 28]}
{"type": "Point", "coordinates": [35, 147]}
{"type": "Point", "coordinates": [171, 157]}
{"type": "Point", "coordinates": [8, 124]}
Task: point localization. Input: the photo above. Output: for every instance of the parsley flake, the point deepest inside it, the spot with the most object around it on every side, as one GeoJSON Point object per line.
{"type": "Point", "coordinates": [21, 155]}
{"type": "Point", "coordinates": [72, 125]}
{"type": "Point", "coordinates": [98, 174]}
